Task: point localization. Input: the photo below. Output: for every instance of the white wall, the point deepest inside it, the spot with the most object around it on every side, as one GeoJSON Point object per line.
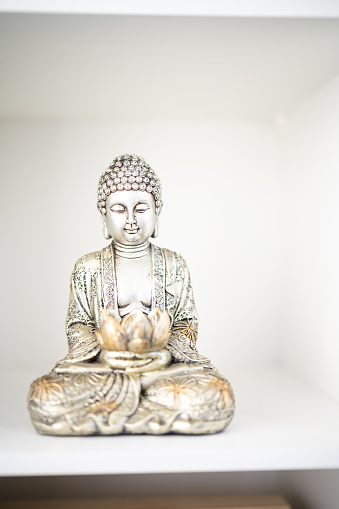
{"type": "Point", "coordinates": [222, 196]}
{"type": "Point", "coordinates": [310, 331]}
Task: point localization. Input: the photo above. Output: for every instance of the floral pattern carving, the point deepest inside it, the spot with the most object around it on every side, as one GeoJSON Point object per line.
{"type": "Point", "coordinates": [177, 390]}
{"type": "Point", "coordinates": [220, 392]}
{"type": "Point", "coordinates": [43, 388]}
{"type": "Point", "coordinates": [104, 407]}
{"type": "Point", "coordinates": [185, 329]}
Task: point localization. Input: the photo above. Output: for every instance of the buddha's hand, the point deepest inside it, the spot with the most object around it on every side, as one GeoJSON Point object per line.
{"type": "Point", "coordinates": [131, 362]}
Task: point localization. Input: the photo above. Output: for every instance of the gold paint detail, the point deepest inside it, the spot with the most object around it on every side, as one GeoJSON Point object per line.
{"type": "Point", "coordinates": [178, 390]}
{"type": "Point", "coordinates": [185, 330]}
{"type": "Point", "coordinates": [104, 407]}
{"type": "Point", "coordinates": [45, 388]}
{"type": "Point", "coordinates": [135, 332]}
{"type": "Point", "coordinates": [222, 393]}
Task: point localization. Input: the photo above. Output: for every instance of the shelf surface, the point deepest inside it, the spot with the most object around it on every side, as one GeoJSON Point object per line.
{"type": "Point", "coordinates": [281, 423]}
{"type": "Point", "coordinates": [325, 8]}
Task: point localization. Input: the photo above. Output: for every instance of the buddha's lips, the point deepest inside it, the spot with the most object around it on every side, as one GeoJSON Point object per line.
{"type": "Point", "coordinates": [133, 230]}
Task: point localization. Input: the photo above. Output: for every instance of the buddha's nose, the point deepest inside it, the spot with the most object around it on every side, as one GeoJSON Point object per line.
{"type": "Point", "coordinates": [131, 219]}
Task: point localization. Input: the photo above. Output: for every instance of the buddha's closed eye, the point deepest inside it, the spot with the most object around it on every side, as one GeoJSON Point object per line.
{"type": "Point", "coordinates": [119, 209]}
{"type": "Point", "coordinates": [141, 210]}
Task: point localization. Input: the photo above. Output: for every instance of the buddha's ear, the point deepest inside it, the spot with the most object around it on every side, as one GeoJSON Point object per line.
{"type": "Point", "coordinates": [106, 233]}
{"type": "Point", "coordinates": [156, 228]}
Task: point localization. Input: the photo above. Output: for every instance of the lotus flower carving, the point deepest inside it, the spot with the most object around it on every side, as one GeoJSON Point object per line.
{"type": "Point", "coordinates": [136, 332]}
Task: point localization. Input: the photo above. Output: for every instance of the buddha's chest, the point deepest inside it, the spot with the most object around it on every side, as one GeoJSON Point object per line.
{"type": "Point", "coordinates": [134, 285]}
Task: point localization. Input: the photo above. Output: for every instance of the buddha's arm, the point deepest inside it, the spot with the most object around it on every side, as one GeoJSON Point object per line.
{"type": "Point", "coordinates": [184, 330]}
{"type": "Point", "coordinates": [80, 322]}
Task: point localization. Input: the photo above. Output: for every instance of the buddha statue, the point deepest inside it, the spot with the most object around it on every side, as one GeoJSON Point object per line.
{"type": "Point", "coordinates": [132, 364]}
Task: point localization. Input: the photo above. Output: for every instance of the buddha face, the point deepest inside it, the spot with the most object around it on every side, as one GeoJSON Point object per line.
{"type": "Point", "coordinates": [130, 216]}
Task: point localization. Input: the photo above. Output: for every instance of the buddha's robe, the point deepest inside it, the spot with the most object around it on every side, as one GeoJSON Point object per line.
{"type": "Point", "coordinates": [81, 396]}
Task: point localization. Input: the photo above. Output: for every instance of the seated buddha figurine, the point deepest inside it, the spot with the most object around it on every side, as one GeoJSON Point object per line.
{"type": "Point", "coordinates": [132, 364]}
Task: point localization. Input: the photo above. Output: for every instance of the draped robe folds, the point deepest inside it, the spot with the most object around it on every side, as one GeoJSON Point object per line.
{"type": "Point", "coordinates": [81, 397]}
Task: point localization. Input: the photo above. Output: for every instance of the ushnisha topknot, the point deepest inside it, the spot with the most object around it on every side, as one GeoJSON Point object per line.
{"type": "Point", "coordinates": [128, 173]}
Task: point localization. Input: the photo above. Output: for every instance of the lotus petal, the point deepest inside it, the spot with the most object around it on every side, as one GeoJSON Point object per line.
{"type": "Point", "coordinates": [99, 338]}
{"type": "Point", "coordinates": [137, 325]}
{"type": "Point", "coordinates": [112, 334]}
{"type": "Point", "coordinates": [161, 331]}
{"type": "Point", "coordinates": [154, 316]}
{"type": "Point", "coordinates": [114, 314]}
{"type": "Point", "coordinates": [103, 316]}
{"type": "Point", "coordinates": [139, 345]}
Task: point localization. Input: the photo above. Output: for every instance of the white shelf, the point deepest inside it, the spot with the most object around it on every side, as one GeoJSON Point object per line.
{"type": "Point", "coordinates": [264, 8]}
{"type": "Point", "coordinates": [280, 424]}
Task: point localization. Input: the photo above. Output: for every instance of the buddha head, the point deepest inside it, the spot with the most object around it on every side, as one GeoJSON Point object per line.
{"type": "Point", "coordinates": [129, 200]}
